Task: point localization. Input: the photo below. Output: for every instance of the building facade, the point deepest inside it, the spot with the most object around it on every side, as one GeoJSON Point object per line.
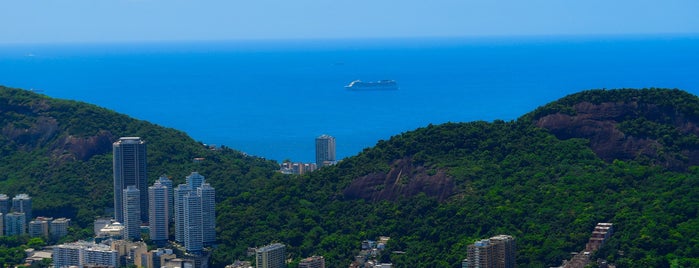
{"type": "Point", "coordinates": [159, 213]}
{"type": "Point", "coordinates": [496, 252]}
{"type": "Point", "coordinates": [39, 227]}
{"type": "Point", "coordinates": [59, 228]}
{"type": "Point", "coordinates": [23, 203]}
{"type": "Point", "coordinates": [180, 192]}
{"type": "Point", "coordinates": [15, 223]}
{"type": "Point", "coordinates": [84, 254]}
{"type": "Point", "coordinates": [129, 166]}
{"type": "Point", "coordinates": [312, 262]}
{"type": "Point", "coordinates": [208, 213]}
{"type": "Point", "coordinates": [165, 181]}
{"type": "Point", "coordinates": [271, 256]}
{"type": "Point", "coordinates": [325, 150]}
{"type": "Point", "coordinates": [132, 212]}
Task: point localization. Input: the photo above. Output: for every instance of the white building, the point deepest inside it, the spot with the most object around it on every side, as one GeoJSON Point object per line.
{"type": "Point", "coordinates": [159, 218]}
{"type": "Point", "coordinates": [132, 213]}
{"type": "Point", "coordinates": [84, 254]}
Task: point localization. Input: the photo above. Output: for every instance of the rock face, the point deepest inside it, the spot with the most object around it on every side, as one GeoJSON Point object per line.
{"type": "Point", "coordinates": [403, 180]}
{"type": "Point", "coordinates": [601, 124]}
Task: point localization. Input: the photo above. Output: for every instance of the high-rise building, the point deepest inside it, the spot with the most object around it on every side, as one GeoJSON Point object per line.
{"type": "Point", "coordinates": [165, 181]}
{"type": "Point", "coordinates": [4, 204]}
{"type": "Point", "coordinates": [15, 223]}
{"type": "Point", "coordinates": [195, 180]}
{"type": "Point", "coordinates": [180, 192]}
{"type": "Point", "coordinates": [130, 169]}
{"type": "Point", "coordinates": [208, 213]}
{"type": "Point", "coordinates": [132, 212]}
{"type": "Point", "coordinates": [193, 231]}
{"type": "Point", "coordinates": [159, 218]}
{"type": "Point", "coordinates": [312, 262]}
{"type": "Point", "coordinates": [496, 252]}
{"type": "Point", "coordinates": [325, 150]}
{"type": "Point", "coordinates": [271, 256]}
{"type": "Point", "coordinates": [195, 216]}
{"type": "Point", "coordinates": [23, 203]}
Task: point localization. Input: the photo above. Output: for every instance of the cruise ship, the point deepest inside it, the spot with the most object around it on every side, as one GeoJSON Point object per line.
{"type": "Point", "coordinates": [378, 85]}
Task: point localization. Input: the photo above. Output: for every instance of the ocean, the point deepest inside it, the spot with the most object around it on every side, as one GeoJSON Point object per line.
{"type": "Point", "coordinates": [272, 98]}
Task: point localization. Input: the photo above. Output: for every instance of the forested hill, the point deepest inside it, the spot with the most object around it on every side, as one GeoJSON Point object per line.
{"type": "Point", "coordinates": [621, 156]}
{"type": "Point", "coordinates": [59, 152]}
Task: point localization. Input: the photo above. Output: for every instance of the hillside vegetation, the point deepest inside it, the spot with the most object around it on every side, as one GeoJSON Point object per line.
{"type": "Point", "coordinates": [622, 156]}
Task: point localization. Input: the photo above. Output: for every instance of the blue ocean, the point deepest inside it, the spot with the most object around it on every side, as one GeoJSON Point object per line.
{"type": "Point", "coordinates": [272, 98]}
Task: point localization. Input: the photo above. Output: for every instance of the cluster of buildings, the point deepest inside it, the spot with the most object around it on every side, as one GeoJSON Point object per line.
{"type": "Point", "coordinates": [325, 156]}
{"type": "Point", "coordinates": [138, 207]}
{"type": "Point", "coordinates": [16, 219]}
{"type": "Point", "coordinates": [368, 255]}
{"type": "Point", "coordinates": [191, 206]}
{"type": "Point", "coordinates": [600, 234]}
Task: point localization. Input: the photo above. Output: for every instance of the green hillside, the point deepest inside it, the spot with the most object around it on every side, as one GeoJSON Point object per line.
{"type": "Point", "coordinates": [621, 156]}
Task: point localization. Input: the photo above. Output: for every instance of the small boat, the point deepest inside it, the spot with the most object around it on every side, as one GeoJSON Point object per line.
{"type": "Point", "coordinates": [378, 85]}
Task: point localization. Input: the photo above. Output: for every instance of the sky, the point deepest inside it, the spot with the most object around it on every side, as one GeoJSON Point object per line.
{"type": "Point", "coordinates": [59, 21]}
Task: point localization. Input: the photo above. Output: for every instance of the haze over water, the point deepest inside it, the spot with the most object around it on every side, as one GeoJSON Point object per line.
{"type": "Point", "coordinates": [272, 98]}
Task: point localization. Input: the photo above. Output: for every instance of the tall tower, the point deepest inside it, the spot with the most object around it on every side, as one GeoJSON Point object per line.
{"type": "Point", "coordinates": [23, 203]}
{"type": "Point", "coordinates": [165, 181]}
{"type": "Point", "coordinates": [208, 213]}
{"type": "Point", "coordinates": [180, 192]}
{"type": "Point", "coordinates": [271, 256]}
{"type": "Point", "coordinates": [130, 169]}
{"type": "Point", "coordinates": [193, 230]}
{"type": "Point", "coordinates": [325, 150]}
{"type": "Point", "coordinates": [158, 213]}
{"type": "Point", "coordinates": [194, 180]}
{"type": "Point", "coordinates": [195, 216]}
{"type": "Point", "coordinates": [132, 213]}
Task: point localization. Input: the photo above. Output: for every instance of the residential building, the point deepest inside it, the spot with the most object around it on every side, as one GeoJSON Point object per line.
{"type": "Point", "coordinates": [496, 252]}
{"type": "Point", "coordinates": [132, 213]}
{"type": "Point", "coordinates": [59, 228]}
{"type": "Point", "coordinates": [193, 231]}
{"type": "Point", "coordinates": [195, 216]}
{"type": "Point", "coordinates": [4, 204]}
{"type": "Point", "coordinates": [159, 218]}
{"type": "Point", "coordinates": [129, 169]}
{"type": "Point", "coordinates": [195, 180]}
{"type": "Point", "coordinates": [271, 256]}
{"type": "Point", "coordinates": [84, 254]}
{"type": "Point", "coordinates": [39, 227]}
{"type": "Point", "coordinates": [325, 150]}
{"type": "Point", "coordinates": [180, 192]}
{"type": "Point", "coordinates": [208, 213]}
{"type": "Point", "coordinates": [312, 262]}
{"type": "Point", "coordinates": [15, 223]}
{"type": "Point", "coordinates": [23, 203]}
{"type": "Point", "coordinates": [129, 252]}
{"type": "Point", "coordinates": [165, 181]}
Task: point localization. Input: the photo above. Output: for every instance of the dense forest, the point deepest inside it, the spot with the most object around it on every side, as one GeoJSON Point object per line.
{"type": "Point", "coordinates": [623, 156]}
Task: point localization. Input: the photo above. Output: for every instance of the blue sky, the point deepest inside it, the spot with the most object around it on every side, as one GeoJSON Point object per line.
{"type": "Point", "coordinates": [48, 21]}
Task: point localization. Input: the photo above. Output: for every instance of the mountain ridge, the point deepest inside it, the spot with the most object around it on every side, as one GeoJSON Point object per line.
{"type": "Point", "coordinates": [433, 190]}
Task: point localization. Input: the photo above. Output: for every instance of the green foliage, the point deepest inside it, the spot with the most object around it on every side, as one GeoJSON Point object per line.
{"type": "Point", "coordinates": [509, 178]}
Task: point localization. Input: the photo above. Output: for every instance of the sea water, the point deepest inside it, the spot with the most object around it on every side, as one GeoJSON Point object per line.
{"type": "Point", "coordinates": [272, 98]}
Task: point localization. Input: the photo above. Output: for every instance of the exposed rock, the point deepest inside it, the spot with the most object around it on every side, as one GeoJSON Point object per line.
{"type": "Point", "coordinates": [599, 123]}
{"type": "Point", "coordinates": [403, 180]}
